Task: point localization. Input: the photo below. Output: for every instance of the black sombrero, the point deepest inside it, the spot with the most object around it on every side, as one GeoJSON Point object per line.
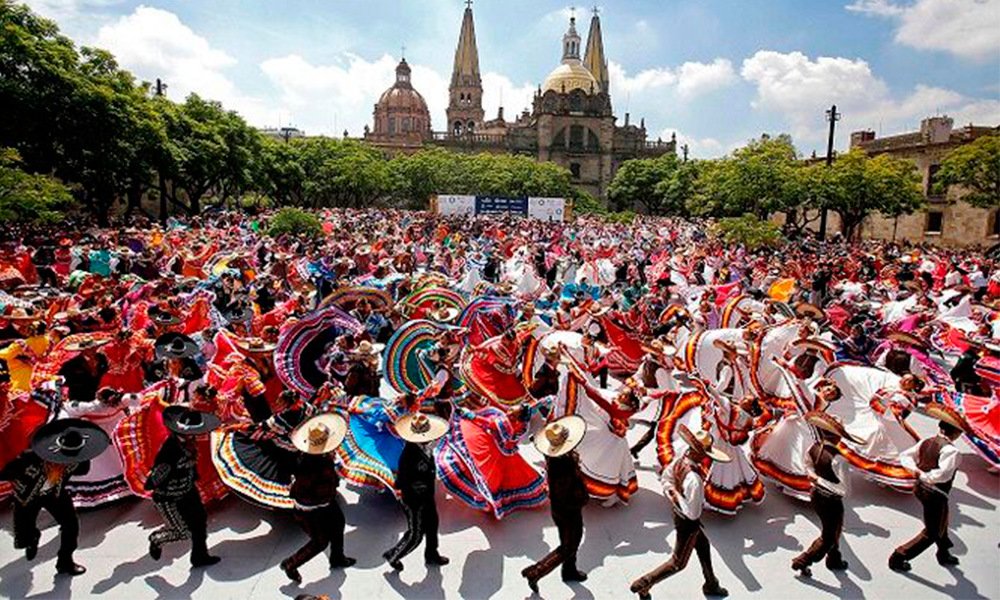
{"type": "Point", "coordinates": [175, 345]}
{"type": "Point", "coordinates": [187, 421]}
{"type": "Point", "coordinates": [69, 441]}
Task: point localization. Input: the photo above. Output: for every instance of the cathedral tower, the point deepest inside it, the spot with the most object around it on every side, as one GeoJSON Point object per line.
{"type": "Point", "coordinates": [594, 59]}
{"type": "Point", "coordinates": [465, 101]}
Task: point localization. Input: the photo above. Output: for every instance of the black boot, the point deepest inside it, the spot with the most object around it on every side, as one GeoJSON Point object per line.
{"type": "Point", "coordinates": [204, 560]}
{"type": "Point", "coordinates": [946, 559]}
{"type": "Point", "coordinates": [433, 558]}
{"type": "Point", "coordinates": [342, 562]}
{"type": "Point", "coordinates": [528, 573]}
{"type": "Point", "coordinates": [291, 572]}
{"type": "Point", "coordinates": [898, 563]}
{"type": "Point", "coordinates": [573, 574]}
{"type": "Point", "coordinates": [70, 568]}
{"type": "Point", "coordinates": [31, 551]}
{"type": "Point", "coordinates": [712, 588]}
{"type": "Point", "coordinates": [155, 551]}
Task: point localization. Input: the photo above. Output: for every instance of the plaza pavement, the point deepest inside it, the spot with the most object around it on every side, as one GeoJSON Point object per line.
{"type": "Point", "coordinates": [751, 551]}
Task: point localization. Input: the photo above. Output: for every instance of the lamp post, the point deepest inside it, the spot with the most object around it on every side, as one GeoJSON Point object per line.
{"type": "Point", "coordinates": [832, 116]}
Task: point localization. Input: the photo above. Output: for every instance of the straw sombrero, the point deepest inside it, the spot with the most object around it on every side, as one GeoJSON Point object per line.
{"type": "Point", "coordinates": [420, 428]}
{"type": "Point", "coordinates": [445, 315]}
{"type": "Point", "coordinates": [320, 434]}
{"type": "Point", "coordinates": [909, 339]}
{"type": "Point", "coordinates": [832, 424]}
{"type": "Point", "coordinates": [949, 415]}
{"type": "Point", "coordinates": [561, 436]}
{"type": "Point", "coordinates": [255, 345]}
{"type": "Point", "coordinates": [702, 443]}
{"type": "Point", "coordinates": [805, 309]}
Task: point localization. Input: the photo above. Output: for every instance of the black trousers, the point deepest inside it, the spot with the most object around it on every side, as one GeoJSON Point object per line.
{"type": "Point", "coordinates": [47, 277]}
{"type": "Point", "coordinates": [830, 509]}
{"type": "Point", "coordinates": [644, 440]}
{"type": "Point", "coordinates": [26, 533]}
{"type": "Point", "coordinates": [690, 536]}
{"type": "Point", "coordinates": [570, 526]}
{"type": "Point", "coordinates": [325, 527]}
{"type": "Point", "coordinates": [421, 522]}
{"type": "Point", "coordinates": [935, 529]}
{"type": "Point", "coordinates": [257, 407]}
{"type": "Point", "coordinates": [183, 518]}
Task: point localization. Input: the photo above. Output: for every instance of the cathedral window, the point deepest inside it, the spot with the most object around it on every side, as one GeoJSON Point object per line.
{"type": "Point", "coordinates": [592, 141]}
{"type": "Point", "coordinates": [392, 125]}
{"type": "Point", "coordinates": [457, 128]}
{"type": "Point", "coordinates": [471, 127]}
{"type": "Point", "coordinates": [574, 169]}
{"type": "Point", "coordinates": [576, 137]}
{"type": "Point", "coordinates": [406, 124]}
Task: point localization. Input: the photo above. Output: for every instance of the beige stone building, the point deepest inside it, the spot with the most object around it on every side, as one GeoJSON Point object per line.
{"type": "Point", "coordinates": [570, 122]}
{"type": "Point", "coordinates": [946, 220]}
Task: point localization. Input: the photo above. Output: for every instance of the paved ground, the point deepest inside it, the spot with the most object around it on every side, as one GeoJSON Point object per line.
{"type": "Point", "coordinates": [751, 552]}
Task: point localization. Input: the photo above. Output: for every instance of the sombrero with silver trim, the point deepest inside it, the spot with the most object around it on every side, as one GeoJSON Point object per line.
{"type": "Point", "coordinates": [949, 415]}
{"type": "Point", "coordinates": [187, 421]}
{"type": "Point", "coordinates": [805, 309]}
{"type": "Point", "coordinates": [69, 441]}
{"type": "Point", "coordinates": [561, 436]}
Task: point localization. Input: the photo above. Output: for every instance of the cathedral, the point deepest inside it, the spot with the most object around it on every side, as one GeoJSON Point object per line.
{"type": "Point", "coordinates": [571, 121]}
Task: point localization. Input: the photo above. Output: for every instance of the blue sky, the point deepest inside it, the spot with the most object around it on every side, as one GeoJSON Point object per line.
{"type": "Point", "coordinates": [716, 72]}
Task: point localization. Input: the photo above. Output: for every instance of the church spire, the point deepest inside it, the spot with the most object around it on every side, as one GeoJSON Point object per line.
{"type": "Point", "coordinates": [466, 69]}
{"type": "Point", "coordinates": [465, 93]}
{"type": "Point", "coordinates": [594, 58]}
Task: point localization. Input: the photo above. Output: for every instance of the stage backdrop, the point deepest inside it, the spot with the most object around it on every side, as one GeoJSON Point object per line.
{"type": "Point", "coordinates": [546, 209]}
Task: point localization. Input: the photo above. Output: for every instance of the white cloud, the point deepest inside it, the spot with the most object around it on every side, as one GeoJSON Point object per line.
{"type": "Point", "coordinates": [697, 78]}
{"type": "Point", "coordinates": [515, 98]}
{"type": "Point", "coordinates": [800, 89]}
{"type": "Point", "coordinates": [645, 80]}
{"type": "Point", "coordinates": [154, 43]}
{"type": "Point", "coordinates": [966, 28]}
{"type": "Point", "coordinates": [706, 147]}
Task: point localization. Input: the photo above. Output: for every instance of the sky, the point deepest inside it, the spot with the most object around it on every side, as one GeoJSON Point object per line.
{"type": "Point", "coordinates": [716, 73]}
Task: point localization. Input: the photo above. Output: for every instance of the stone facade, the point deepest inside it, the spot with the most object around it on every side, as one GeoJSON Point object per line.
{"type": "Point", "coordinates": [946, 220]}
{"type": "Point", "coordinates": [571, 121]}
{"type": "Point", "coordinates": [401, 119]}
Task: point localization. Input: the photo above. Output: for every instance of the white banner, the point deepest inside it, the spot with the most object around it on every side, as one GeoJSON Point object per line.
{"type": "Point", "coordinates": [547, 209]}
{"type": "Point", "coordinates": [450, 206]}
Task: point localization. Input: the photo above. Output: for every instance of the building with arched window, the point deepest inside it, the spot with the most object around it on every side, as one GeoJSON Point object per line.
{"type": "Point", "coordinates": [401, 118]}
{"type": "Point", "coordinates": [570, 121]}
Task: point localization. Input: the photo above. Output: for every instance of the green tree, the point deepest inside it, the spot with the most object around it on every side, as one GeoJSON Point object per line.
{"type": "Point", "coordinates": [860, 186]}
{"type": "Point", "coordinates": [749, 231]}
{"type": "Point", "coordinates": [27, 197]}
{"type": "Point", "coordinates": [758, 179]}
{"type": "Point", "coordinates": [635, 183]}
{"type": "Point", "coordinates": [296, 222]}
{"type": "Point", "coordinates": [975, 167]}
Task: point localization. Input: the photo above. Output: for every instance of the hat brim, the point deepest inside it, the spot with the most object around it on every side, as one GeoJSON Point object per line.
{"type": "Point", "coordinates": [79, 347]}
{"type": "Point", "coordinates": [438, 427]}
{"type": "Point", "coordinates": [172, 415]}
{"type": "Point", "coordinates": [713, 453]}
{"type": "Point", "coordinates": [43, 443]}
{"type": "Point", "coordinates": [247, 348]}
{"type": "Point", "coordinates": [906, 338]}
{"type": "Point", "coordinates": [164, 346]}
{"type": "Point", "coordinates": [822, 420]}
{"type": "Point", "coordinates": [576, 428]}
{"type": "Point", "coordinates": [805, 309]}
{"type": "Point", "coordinates": [335, 424]}
{"type": "Point", "coordinates": [949, 415]}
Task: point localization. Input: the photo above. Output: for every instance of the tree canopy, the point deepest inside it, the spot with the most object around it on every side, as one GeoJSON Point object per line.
{"type": "Point", "coordinates": [975, 167]}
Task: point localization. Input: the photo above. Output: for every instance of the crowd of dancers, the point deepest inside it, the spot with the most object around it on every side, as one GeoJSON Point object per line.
{"type": "Point", "coordinates": [400, 350]}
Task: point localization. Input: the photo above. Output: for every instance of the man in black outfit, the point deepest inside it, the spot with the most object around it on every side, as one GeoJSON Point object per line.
{"type": "Point", "coordinates": [314, 490]}
{"type": "Point", "coordinates": [172, 482]}
{"type": "Point", "coordinates": [567, 497]}
{"type": "Point", "coordinates": [82, 373]}
{"type": "Point", "coordinates": [827, 470]}
{"type": "Point", "coordinates": [415, 483]}
{"type": "Point", "coordinates": [59, 450]}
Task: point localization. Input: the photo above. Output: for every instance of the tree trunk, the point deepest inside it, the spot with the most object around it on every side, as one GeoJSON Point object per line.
{"type": "Point", "coordinates": [164, 206]}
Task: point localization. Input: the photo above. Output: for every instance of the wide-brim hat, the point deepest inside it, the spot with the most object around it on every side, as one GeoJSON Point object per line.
{"type": "Point", "coordinates": [947, 414]}
{"type": "Point", "coordinates": [22, 315]}
{"type": "Point", "coordinates": [561, 436]}
{"type": "Point", "coordinates": [815, 344]}
{"type": "Point", "coordinates": [187, 421]}
{"type": "Point", "coordinates": [702, 442]}
{"type": "Point", "coordinates": [445, 315]}
{"type": "Point", "coordinates": [907, 338]}
{"type": "Point", "coordinates": [729, 348]}
{"type": "Point", "coordinates": [238, 314]}
{"type": "Point", "coordinates": [420, 428]}
{"type": "Point", "coordinates": [84, 344]}
{"type": "Point", "coordinates": [255, 345]}
{"type": "Point", "coordinates": [162, 317]}
{"type": "Point", "coordinates": [175, 345]}
{"type": "Point", "coordinates": [832, 424]}
{"type": "Point", "coordinates": [805, 309]}
{"type": "Point", "coordinates": [321, 434]}
{"type": "Point", "coordinates": [69, 441]}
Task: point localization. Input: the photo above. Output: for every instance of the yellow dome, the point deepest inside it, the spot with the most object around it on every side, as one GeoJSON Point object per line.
{"type": "Point", "coordinates": [570, 75]}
